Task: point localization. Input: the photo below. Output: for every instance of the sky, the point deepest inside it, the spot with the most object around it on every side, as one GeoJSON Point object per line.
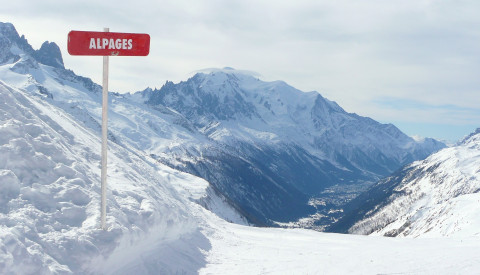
{"type": "Point", "coordinates": [413, 63]}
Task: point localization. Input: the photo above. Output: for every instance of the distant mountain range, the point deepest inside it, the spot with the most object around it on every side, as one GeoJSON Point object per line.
{"type": "Point", "coordinates": [273, 150]}
{"type": "Point", "coordinates": [271, 154]}
{"type": "Point", "coordinates": [274, 153]}
{"type": "Point", "coordinates": [439, 196]}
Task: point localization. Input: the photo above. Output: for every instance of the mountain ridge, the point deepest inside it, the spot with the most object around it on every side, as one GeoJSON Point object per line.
{"type": "Point", "coordinates": [234, 109]}
{"type": "Point", "coordinates": [198, 100]}
{"type": "Point", "coordinates": [48, 54]}
{"type": "Point", "coordinates": [435, 197]}
{"type": "Point", "coordinates": [161, 220]}
{"type": "Point", "coordinates": [265, 147]}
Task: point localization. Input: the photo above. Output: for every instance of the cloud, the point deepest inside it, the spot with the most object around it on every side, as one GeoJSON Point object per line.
{"type": "Point", "coordinates": [418, 111]}
{"type": "Point", "coordinates": [352, 52]}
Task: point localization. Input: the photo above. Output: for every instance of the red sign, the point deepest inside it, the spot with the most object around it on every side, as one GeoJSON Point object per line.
{"type": "Point", "coordinates": [108, 43]}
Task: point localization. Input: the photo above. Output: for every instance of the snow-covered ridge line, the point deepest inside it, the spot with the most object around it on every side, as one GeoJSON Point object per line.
{"type": "Point", "coordinates": [49, 192]}
{"type": "Point", "coordinates": [265, 147]}
{"type": "Point", "coordinates": [227, 70]}
{"type": "Point", "coordinates": [251, 122]}
{"type": "Point", "coordinates": [439, 196]}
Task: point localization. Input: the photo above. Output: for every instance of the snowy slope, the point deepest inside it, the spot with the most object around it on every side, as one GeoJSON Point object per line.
{"type": "Point", "coordinates": [49, 181]}
{"type": "Point", "coordinates": [49, 215]}
{"type": "Point", "coordinates": [233, 106]}
{"type": "Point", "coordinates": [241, 250]}
{"type": "Point", "coordinates": [49, 203]}
{"type": "Point", "coordinates": [439, 196]}
{"type": "Point", "coordinates": [50, 193]}
{"type": "Point", "coordinates": [275, 145]}
{"type": "Point", "coordinates": [130, 124]}
{"type": "Point", "coordinates": [266, 148]}
{"type": "Point", "coordinates": [50, 184]}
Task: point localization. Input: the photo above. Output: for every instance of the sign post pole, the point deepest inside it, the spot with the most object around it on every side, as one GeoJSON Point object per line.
{"type": "Point", "coordinates": [107, 44]}
{"type": "Point", "coordinates": [104, 139]}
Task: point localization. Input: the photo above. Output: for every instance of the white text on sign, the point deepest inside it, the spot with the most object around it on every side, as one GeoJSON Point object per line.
{"type": "Point", "coordinates": [110, 44]}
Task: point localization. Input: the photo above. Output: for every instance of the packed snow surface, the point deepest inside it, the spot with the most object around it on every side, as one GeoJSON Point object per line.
{"type": "Point", "coordinates": [245, 250]}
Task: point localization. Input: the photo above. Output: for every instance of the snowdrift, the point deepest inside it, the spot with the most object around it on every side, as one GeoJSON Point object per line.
{"type": "Point", "coordinates": [49, 204]}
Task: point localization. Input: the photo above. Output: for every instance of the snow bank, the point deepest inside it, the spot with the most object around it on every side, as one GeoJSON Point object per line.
{"type": "Point", "coordinates": [49, 204]}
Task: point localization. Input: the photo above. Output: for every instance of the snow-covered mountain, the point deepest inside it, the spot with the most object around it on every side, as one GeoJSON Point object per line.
{"type": "Point", "coordinates": [275, 147]}
{"type": "Point", "coordinates": [157, 217]}
{"type": "Point", "coordinates": [267, 148]}
{"type": "Point", "coordinates": [49, 178]}
{"type": "Point", "coordinates": [230, 106]}
{"type": "Point", "coordinates": [439, 196]}
{"type": "Point", "coordinates": [12, 46]}
{"type": "Point", "coordinates": [50, 185]}
{"type": "Point", "coordinates": [49, 214]}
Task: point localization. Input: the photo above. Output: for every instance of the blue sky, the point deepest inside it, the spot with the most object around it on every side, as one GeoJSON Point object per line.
{"type": "Point", "coordinates": [414, 63]}
{"type": "Point", "coordinates": [448, 121]}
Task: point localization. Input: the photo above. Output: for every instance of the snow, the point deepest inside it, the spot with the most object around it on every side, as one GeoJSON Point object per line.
{"type": "Point", "coordinates": [160, 220]}
{"type": "Point", "coordinates": [439, 197]}
{"type": "Point", "coordinates": [50, 194]}
{"type": "Point", "coordinates": [228, 70]}
{"type": "Point", "coordinates": [246, 250]}
{"type": "Point", "coordinates": [305, 119]}
{"type": "Point", "coordinates": [49, 215]}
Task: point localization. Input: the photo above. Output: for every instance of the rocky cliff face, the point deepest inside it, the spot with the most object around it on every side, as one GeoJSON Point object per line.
{"type": "Point", "coordinates": [12, 45]}
{"type": "Point", "coordinates": [49, 54]}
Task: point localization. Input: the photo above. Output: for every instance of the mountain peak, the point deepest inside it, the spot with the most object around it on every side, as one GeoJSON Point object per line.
{"type": "Point", "coordinates": [7, 28]}
{"type": "Point", "coordinates": [49, 54]}
{"type": "Point", "coordinates": [9, 38]}
{"type": "Point", "coordinates": [229, 71]}
{"type": "Point", "coordinates": [473, 136]}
